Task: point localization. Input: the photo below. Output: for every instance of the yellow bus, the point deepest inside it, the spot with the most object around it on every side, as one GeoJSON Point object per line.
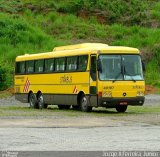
{"type": "Point", "coordinates": [84, 75]}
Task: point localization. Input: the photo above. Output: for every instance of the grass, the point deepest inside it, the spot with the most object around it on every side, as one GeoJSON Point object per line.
{"type": "Point", "coordinates": [19, 111]}
{"type": "Point", "coordinates": [5, 95]}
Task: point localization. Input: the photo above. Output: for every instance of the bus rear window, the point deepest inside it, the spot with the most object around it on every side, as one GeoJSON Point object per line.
{"type": "Point", "coordinates": [20, 67]}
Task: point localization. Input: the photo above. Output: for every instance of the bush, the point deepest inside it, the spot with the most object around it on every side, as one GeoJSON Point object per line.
{"type": "Point", "coordinates": [6, 74]}
{"type": "Point", "coordinates": [156, 54]}
{"type": "Point", "coordinates": [71, 6]}
{"type": "Point", "coordinates": [116, 11]}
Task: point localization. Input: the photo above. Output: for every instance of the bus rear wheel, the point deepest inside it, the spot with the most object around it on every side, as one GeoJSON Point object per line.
{"type": "Point", "coordinates": [84, 104]}
{"type": "Point", "coordinates": [121, 108]}
{"type": "Point", "coordinates": [41, 103]}
{"type": "Point", "coordinates": [33, 101]}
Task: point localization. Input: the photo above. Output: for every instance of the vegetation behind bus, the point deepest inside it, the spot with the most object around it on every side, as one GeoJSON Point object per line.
{"type": "Point", "coordinates": [33, 27]}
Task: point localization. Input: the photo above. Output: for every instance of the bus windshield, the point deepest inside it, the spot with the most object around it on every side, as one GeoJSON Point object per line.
{"type": "Point", "coordinates": [121, 67]}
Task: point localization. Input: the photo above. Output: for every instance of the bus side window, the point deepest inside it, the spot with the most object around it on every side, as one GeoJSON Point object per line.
{"type": "Point", "coordinates": [49, 65]}
{"type": "Point", "coordinates": [82, 63]}
{"type": "Point", "coordinates": [71, 64]}
{"type": "Point", "coordinates": [30, 66]}
{"type": "Point", "coordinates": [59, 64]}
{"type": "Point", "coordinates": [93, 68]}
{"type": "Point", "coordinates": [39, 64]}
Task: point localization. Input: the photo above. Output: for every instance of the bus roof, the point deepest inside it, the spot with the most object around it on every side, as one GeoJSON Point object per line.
{"type": "Point", "coordinates": [80, 49]}
{"type": "Point", "coordinates": [80, 46]}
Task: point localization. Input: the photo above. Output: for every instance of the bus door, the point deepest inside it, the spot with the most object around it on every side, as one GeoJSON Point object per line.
{"type": "Point", "coordinates": [93, 80]}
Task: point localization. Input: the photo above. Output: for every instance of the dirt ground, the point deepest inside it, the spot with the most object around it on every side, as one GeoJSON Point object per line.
{"type": "Point", "coordinates": [149, 89]}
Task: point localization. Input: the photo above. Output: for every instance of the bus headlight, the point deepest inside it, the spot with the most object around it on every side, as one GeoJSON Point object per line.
{"type": "Point", "coordinates": [140, 93]}
{"type": "Point", "coordinates": [107, 94]}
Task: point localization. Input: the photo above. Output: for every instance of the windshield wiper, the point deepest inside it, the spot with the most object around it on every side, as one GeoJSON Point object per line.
{"type": "Point", "coordinates": [117, 77]}
{"type": "Point", "coordinates": [125, 73]}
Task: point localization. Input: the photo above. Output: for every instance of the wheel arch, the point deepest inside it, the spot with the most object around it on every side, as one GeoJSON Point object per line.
{"type": "Point", "coordinates": [39, 92]}
{"type": "Point", "coordinates": [79, 97]}
{"type": "Point", "coordinates": [29, 94]}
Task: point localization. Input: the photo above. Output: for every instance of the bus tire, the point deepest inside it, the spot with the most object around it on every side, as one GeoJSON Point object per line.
{"type": "Point", "coordinates": [84, 104]}
{"type": "Point", "coordinates": [33, 101]}
{"type": "Point", "coordinates": [121, 108]}
{"type": "Point", "coordinates": [41, 103]}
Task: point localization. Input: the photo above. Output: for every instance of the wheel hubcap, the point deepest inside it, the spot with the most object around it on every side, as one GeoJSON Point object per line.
{"type": "Point", "coordinates": [84, 102]}
{"type": "Point", "coordinates": [41, 101]}
{"type": "Point", "coordinates": [32, 101]}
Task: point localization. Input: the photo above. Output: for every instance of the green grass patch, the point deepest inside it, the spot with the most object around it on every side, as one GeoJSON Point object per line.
{"type": "Point", "coordinates": [144, 109]}
{"type": "Point", "coordinates": [20, 111]}
{"type": "Point", "coordinates": [5, 94]}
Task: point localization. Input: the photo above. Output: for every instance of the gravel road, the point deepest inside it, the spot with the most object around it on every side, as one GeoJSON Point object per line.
{"type": "Point", "coordinates": [134, 132]}
{"type": "Point", "coordinates": [152, 99]}
{"type": "Point", "coordinates": [89, 139]}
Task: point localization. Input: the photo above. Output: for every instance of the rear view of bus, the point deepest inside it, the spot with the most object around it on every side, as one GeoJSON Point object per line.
{"type": "Point", "coordinates": [121, 82]}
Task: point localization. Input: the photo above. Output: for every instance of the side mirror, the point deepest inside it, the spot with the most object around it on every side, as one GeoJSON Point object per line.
{"type": "Point", "coordinates": [99, 66]}
{"type": "Point", "coordinates": [143, 66]}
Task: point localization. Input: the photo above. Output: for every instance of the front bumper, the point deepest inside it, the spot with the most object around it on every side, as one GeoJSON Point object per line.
{"type": "Point", "coordinates": [114, 102]}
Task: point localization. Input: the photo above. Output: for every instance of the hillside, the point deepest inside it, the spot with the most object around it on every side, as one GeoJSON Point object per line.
{"type": "Point", "coordinates": [32, 26]}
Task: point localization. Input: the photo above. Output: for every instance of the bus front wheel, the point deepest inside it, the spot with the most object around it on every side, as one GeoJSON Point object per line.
{"type": "Point", "coordinates": [121, 108]}
{"type": "Point", "coordinates": [33, 101]}
{"type": "Point", "coordinates": [84, 104]}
